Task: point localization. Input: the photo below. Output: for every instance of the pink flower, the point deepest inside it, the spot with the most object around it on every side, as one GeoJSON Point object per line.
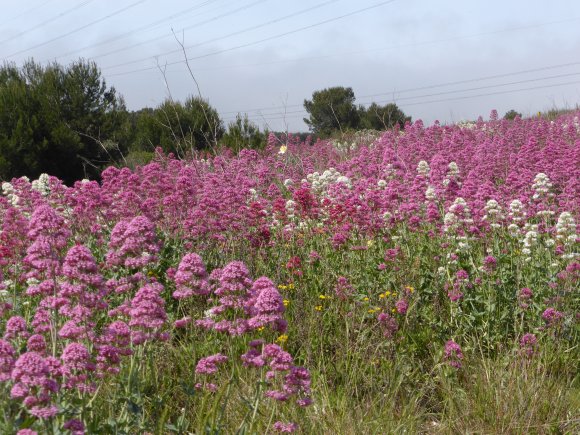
{"type": "Point", "coordinates": [209, 365]}
{"type": "Point", "coordinates": [182, 323]}
{"type": "Point", "coordinates": [388, 324]}
{"type": "Point", "coordinates": [528, 344]}
{"type": "Point", "coordinates": [16, 328]}
{"type": "Point", "coordinates": [147, 313]}
{"type": "Point", "coordinates": [551, 316]}
{"type": "Point", "coordinates": [453, 354]}
{"type": "Point", "coordinates": [402, 306]}
{"type": "Point", "coordinates": [6, 360]}
{"type": "Point", "coordinates": [191, 278]}
{"type": "Point", "coordinates": [75, 426]}
{"type": "Point", "coordinates": [267, 307]}
{"type": "Point", "coordinates": [285, 427]}
{"type": "Point", "coordinates": [133, 243]}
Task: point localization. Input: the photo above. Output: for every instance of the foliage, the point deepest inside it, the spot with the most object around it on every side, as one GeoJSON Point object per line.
{"type": "Point", "coordinates": [511, 115]}
{"type": "Point", "coordinates": [56, 119]}
{"type": "Point", "coordinates": [412, 284]}
{"type": "Point", "coordinates": [243, 133]}
{"type": "Point", "coordinates": [333, 112]}
{"type": "Point", "coordinates": [376, 117]}
{"type": "Point", "coordinates": [179, 128]}
{"type": "Point", "coordinates": [332, 109]}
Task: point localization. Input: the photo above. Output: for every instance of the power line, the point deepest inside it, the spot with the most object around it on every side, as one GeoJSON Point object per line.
{"type": "Point", "coordinates": [434, 86]}
{"type": "Point", "coordinates": [27, 11]}
{"type": "Point", "coordinates": [276, 115]}
{"type": "Point", "coordinates": [44, 23]}
{"type": "Point", "coordinates": [349, 53]}
{"type": "Point", "coordinates": [78, 29]}
{"type": "Point", "coordinates": [148, 26]}
{"type": "Point", "coordinates": [279, 35]}
{"type": "Point", "coordinates": [196, 25]}
{"type": "Point", "coordinates": [229, 35]}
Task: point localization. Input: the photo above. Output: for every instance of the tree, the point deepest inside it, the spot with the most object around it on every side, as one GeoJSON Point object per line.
{"type": "Point", "coordinates": [377, 117]}
{"type": "Point", "coordinates": [511, 115]}
{"type": "Point", "coordinates": [243, 133]}
{"type": "Point", "coordinates": [179, 128]}
{"type": "Point", "coordinates": [330, 110]}
{"type": "Point", "coordinates": [60, 120]}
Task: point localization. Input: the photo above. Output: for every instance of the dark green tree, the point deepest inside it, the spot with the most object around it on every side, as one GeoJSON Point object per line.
{"type": "Point", "coordinates": [511, 115]}
{"type": "Point", "coordinates": [331, 110]}
{"type": "Point", "coordinates": [179, 128]}
{"type": "Point", "coordinates": [243, 133]}
{"type": "Point", "coordinates": [64, 121]}
{"type": "Point", "coordinates": [377, 117]}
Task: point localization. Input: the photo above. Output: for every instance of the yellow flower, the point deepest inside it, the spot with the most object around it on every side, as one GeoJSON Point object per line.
{"type": "Point", "coordinates": [365, 299]}
{"type": "Point", "coordinates": [323, 297]}
{"type": "Point", "coordinates": [372, 311]}
{"type": "Point", "coordinates": [318, 307]}
{"type": "Point", "coordinates": [370, 243]}
{"type": "Point", "coordinates": [283, 149]}
{"type": "Point", "coordinates": [286, 302]}
{"type": "Point", "coordinates": [282, 339]}
{"type": "Point", "coordinates": [381, 296]}
{"type": "Point", "coordinates": [394, 294]}
{"type": "Point", "coordinates": [393, 310]}
{"type": "Point", "coordinates": [282, 287]}
{"type": "Point", "coordinates": [410, 289]}
{"type": "Point", "coordinates": [387, 294]}
{"type": "Point", "coordinates": [291, 286]}
{"type": "Point", "coordinates": [261, 328]}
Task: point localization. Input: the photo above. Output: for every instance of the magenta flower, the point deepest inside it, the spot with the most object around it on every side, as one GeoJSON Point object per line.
{"type": "Point", "coordinates": [133, 243]}
{"type": "Point", "coordinates": [453, 355]}
{"type": "Point", "coordinates": [285, 427]}
{"type": "Point", "coordinates": [147, 313]}
{"type": "Point", "coordinates": [528, 344]}
{"type": "Point", "coordinates": [209, 364]}
{"type": "Point", "coordinates": [75, 426]}
{"type": "Point", "coordinates": [6, 360]}
{"type": "Point", "coordinates": [388, 325]}
{"type": "Point", "coordinates": [16, 328]}
{"type": "Point", "coordinates": [402, 306]}
{"type": "Point", "coordinates": [191, 278]}
{"type": "Point", "coordinates": [267, 307]}
{"type": "Point", "coordinates": [551, 316]}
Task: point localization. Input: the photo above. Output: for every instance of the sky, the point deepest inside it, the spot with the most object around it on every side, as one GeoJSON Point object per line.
{"type": "Point", "coordinates": [445, 60]}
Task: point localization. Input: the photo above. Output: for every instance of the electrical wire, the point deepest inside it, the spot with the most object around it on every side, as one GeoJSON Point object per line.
{"type": "Point", "coordinates": [78, 29]}
{"type": "Point", "coordinates": [44, 23]}
{"type": "Point", "coordinates": [229, 35]}
{"type": "Point", "coordinates": [274, 116]}
{"type": "Point", "coordinates": [270, 38]}
{"type": "Point", "coordinates": [167, 35]}
{"type": "Point", "coordinates": [148, 26]}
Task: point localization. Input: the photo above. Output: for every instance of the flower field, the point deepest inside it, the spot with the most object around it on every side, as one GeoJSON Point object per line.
{"type": "Point", "coordinates": [417, 281]}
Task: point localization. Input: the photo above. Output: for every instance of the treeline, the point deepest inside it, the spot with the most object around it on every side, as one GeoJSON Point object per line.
{"type": "Point", "coordinates": [66, 121]}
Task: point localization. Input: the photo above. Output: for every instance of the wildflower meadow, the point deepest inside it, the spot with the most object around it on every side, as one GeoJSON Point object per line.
{"type": "Point", "coordinates": [418, 280]}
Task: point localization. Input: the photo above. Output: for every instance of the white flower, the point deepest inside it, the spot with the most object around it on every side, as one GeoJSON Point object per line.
{"type": "Point", "coordinates": [430, 194]}
{"type": "Point", "coordinates": [344, 180]}
{"type": "Point", "coordinates": [42, 185]}
{"type": "Point", "coordinates": [541, 186]}
{"type": "Point", "coordinates": [517, 212]}
{"type": "Point", "coordinates": [423, 168]}
{"type": "Point", "coordinates": [7, 188]}
{"type": "Point", "coordinates": [282, 149]}
{"type": "Point", "coordinates": [382, 184]}
{"type": "Point", "coordinates": [453, 170]}
{"type": "Point", "coordinates": [566, 228]}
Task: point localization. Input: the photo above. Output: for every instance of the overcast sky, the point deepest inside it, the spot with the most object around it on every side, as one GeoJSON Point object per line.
{"type": "Point", "coordinates": [446, 60]}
